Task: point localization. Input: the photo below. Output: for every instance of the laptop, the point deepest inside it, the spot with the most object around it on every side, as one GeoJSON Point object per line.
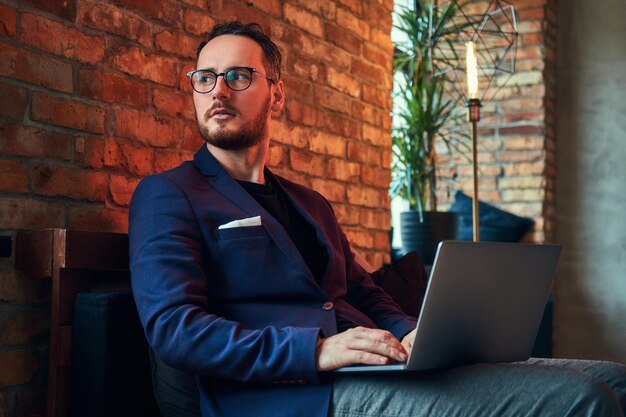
{"type": "Point", "coordinates": [483, 304]}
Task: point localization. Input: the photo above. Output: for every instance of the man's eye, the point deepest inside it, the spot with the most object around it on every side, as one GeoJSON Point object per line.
{"type": "Point", "coordinates": [205, 78]}
{"type": "Point", "coordinates": [238, 75]}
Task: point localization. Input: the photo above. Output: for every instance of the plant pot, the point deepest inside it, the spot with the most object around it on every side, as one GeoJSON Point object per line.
{"type": "Point", "coordinates": [424, 236]}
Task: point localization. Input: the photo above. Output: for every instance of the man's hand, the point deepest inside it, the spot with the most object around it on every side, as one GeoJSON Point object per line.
{"type": "Point", "coordinates": [359, 346]}
{"type": "Point", "coordinates": [407, 341]}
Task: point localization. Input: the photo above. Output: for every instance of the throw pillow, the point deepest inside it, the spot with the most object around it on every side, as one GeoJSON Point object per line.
{"type": "Point", "coordinates": [496, 225]}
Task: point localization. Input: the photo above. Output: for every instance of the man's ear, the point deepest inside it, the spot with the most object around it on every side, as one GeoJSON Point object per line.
{"type": "Point", "coordinates": [279, 97]}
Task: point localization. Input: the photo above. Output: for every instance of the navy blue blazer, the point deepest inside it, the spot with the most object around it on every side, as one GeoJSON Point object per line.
{"type": "Point", "coordinates": [239, 307]}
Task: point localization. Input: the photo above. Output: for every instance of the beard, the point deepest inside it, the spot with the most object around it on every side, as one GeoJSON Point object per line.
{"type": "Point", "coordinates": [247, 136]}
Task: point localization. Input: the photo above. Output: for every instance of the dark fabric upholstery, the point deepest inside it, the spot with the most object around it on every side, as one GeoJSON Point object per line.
{"type": "Point", "coordinates": [110, 363]}
{"type": "Point", "coordinates": [496, 225]}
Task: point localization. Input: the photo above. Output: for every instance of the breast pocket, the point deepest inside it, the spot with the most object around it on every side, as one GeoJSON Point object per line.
{"type": "Point", "coordinates": [249, 232]}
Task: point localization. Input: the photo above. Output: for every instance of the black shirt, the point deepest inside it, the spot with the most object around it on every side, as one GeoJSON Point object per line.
{"type": "Point", "coordinates": [303, 234]}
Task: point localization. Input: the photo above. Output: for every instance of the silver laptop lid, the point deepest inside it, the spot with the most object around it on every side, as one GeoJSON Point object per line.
{"type": "Point", "coordinates": [483, 303]}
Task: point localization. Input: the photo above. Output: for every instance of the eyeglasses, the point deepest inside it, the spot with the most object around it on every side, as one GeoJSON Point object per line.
{"type": "Point", "coordinates": [236, 78]}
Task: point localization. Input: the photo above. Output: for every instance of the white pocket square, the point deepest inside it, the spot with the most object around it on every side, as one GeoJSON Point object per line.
{"type": "Point", "coordinates": [250, 221]}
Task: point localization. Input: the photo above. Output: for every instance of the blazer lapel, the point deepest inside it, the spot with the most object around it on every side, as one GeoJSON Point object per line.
{"type": "Point", "coordinates": [223, 183]}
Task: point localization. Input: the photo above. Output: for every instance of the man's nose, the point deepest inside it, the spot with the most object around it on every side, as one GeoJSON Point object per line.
{"type": "Point", "coordinates": [221, 89]}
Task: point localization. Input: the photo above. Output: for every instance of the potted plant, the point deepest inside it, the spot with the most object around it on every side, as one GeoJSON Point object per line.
{"type": "Point", "coordinates": [424, 120]}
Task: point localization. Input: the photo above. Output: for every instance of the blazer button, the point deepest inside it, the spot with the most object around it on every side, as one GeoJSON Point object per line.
{"type": "Point", "coordinates": [328, 306]}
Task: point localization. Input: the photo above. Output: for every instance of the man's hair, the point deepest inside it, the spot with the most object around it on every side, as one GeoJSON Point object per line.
{"type": "Point", "coordinates": [271, 55]}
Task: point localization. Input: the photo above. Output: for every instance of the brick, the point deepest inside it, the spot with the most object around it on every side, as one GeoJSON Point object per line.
{"type": "Point", "coordinates": [115, 20]}
{"type": "Point", "coordinates": [165, 159]}
{"type": "Point", "coordinates": [343, 38]}
{"type": "Point", "coordinates": [69, 182]}
{"type": "Point", "coordinates": [111, 88]}
{"type": "Point", "coordinates": [34, 68]}
{"type": "Point", "coordinates": [167, 11]}
{"type": "Point", "coordinates": [362, 152]}
{"type": "Point", "coordinates": [22, 326]}
{"type": "Point", "coordinates": [271, 7]}
{"type": "Point", "coordinates": [378, 97]}
{"type": "Point", "coordinates": [366, 113]}
{"type": "Point", "coordinates": [324, 8]}
{"type": "Point", "coordinates": [343, 126]}
{"type": "Point", "coordinates": [133, 158]}
{"type": "Point", "coordinates": [24, 213]}
{"type": "Point", "coordinates": [305, 114]}
{"type": "Point", "coordinates": [346, 215]}
{"type": "Point", "coordinates": [356, 6]}
{"type": "Point", "coordinates": [381, 241]}
{"type": "Point", "coordinates": [307, 162]}
{"type": "Point", "coordinates": [290, 134]}
{"type": "Point", "coordinates": [134, 61]}
{"type": "Point", "coordinates": [381, 38]}
{"type": "Point", "coordinates": [8, 21]}
{"type": "Point", "coordinates": [333, 191]}
{"type": "Point", "coordinates": [376, 136]}
{"type": "Point", "coordinates": [376, 177]}
{"type": "Point", "coordinates": [13, 102]}
{"type": "Point", "coordinates": [366, 197]}
{"type": "Point", "coordinates": [532, 168]}
{"type": "Point", "coordinates": [306, 68]}
{"type": "Point", "coordinates": [351, 22]}
{"type": "Point", "coordinates": [331, 99]}
{"type": "Point", "coordinates": [522, 130]}
{"type": "Point", "coordinates": [278, 157]}
{"type": "Point", "coordinates": [234, 11]}
{"type": "Point", "coordinates": [318, 49]}
{"type": "Point", "coordinates": [147, 128]}
{"type": "Point", "coordinates": [529, 195]}
{"type": "Point", "coordinates": [342, 170]}
{"type": "Point", "coordinates": [61, 39]}
{"type": "Point", "coordinates": [173, 103]}
{"type": "Point", "coordinates": [62, 8]}
{"type": "Point", "coordinates": [176, 43]}
{"type": "Point", "coordinates": [377, 15]}
{"type": "Point", "coordinates": [359, 238]}
{"type": "Point", "coordinates": [375, 219]}
{"type": "Point", "coordinates": [67, 113]}
{"type": "Point", "coordinates": [191, 139]}
{"type": "Point", "coordinates": [89, 152]}
{"type": "Point", "coordinates": [523, 142]}
{"type": "Point", "coordinates": [13, 176]}
{"type": "Point", "coordinates": [522, 155]}
{"type": "Point", "coordinates": [34, 142]}
{"type": "Point", "coordinates": [121, 189]}
{"type": "Point", "coordinates": [197, 22]}
{"type": "Point", "coordinates": [98, 218]}
{"type": "Point", "coordinates": [535, 182]}
{"type": "Point", "coordinates": [17, 367]}
{"type": "Point", "coordinates": [303, 20]}
{"type": "Point", "coordinates": [296, 86]}
{"type": "Point", "coordinates": [371, 73]}
{"type": "Point", "coordinates": [377, 56]}
{"type": "Point", "coordinates": [327, 144]}
{"type": "Point", "coordinates": [344, 82]}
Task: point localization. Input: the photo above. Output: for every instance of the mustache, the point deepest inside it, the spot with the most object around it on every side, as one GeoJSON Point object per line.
{"type": "Point", "coordinates": [220, 105]}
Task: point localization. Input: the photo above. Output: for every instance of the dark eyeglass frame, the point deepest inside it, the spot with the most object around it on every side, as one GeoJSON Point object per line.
{"type": "Point", "coordinates": [252, 71]}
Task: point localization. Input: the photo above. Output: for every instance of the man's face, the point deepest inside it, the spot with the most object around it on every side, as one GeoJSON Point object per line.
{"type": "Point", "coordinates": [235, 120]}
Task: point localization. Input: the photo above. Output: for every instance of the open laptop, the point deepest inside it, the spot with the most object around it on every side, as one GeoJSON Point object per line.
{"type": "Point", "coordinates": [483, 304]}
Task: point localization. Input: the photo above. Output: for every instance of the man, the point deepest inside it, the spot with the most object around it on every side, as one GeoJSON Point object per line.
{"type": "Point", "coordinates": [246, 280]}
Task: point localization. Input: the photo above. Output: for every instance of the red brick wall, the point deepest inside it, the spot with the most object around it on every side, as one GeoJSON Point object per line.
{"type": "Point", "coordinates": [93, 97]}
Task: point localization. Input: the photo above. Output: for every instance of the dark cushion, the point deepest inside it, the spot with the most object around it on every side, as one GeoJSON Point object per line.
{"type": "Point", "coordinates": [496, 225]}
{"type": "Point", "coordinates": [405, 281]}
{"type": "Point", "coordinates": [110, 362]}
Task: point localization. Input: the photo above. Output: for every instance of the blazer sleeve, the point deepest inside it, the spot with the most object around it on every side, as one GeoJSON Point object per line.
{"type": "Point", "coordinates": [170, 287]}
